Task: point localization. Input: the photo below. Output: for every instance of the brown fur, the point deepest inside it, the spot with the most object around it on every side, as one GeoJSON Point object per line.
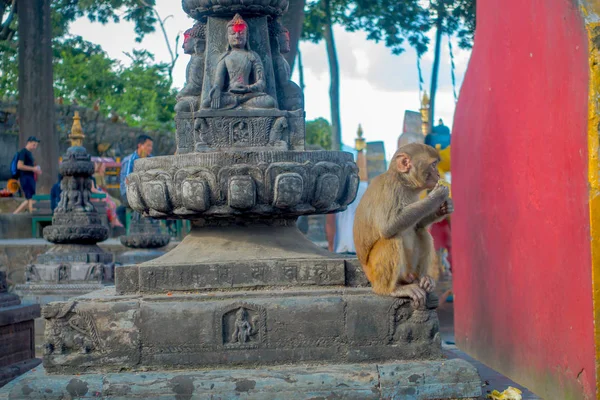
{"type": "Point", "coordinates": [390, 226]}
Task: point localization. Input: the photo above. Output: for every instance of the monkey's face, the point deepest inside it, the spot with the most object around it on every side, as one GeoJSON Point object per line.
{"type": "Point", "coordinates": [431, 174]}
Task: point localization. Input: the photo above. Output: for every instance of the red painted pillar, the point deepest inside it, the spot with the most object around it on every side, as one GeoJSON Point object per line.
{"type": "Point", "coordinates": [521, 230]}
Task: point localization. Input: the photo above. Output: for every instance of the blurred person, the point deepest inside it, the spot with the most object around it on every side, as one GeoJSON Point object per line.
{"type": "Point", "coordinates": [28, 172]}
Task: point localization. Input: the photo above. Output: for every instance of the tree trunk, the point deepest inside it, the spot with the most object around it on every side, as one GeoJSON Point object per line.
{"type": "Point", "coordinates": [301, 70]}
{"type": "Point", "coordinates": [36, 92]}
{"type": "Point", "coordinates": [293, 20]}
{"type": "Point", "coordinates": [436, 67]}
{"type": "Point", "coordinates": [334, 72]}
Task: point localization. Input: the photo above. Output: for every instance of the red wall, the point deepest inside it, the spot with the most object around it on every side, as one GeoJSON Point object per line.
{"type": "Point", "coordinates": [521, 230]}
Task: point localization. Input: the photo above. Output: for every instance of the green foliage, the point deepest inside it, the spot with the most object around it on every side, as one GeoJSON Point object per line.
{"type": "Point", "coordinates": [139, 93]}
{"type": "Point", "coordinates": [318, 132]}
{"type": "Point", "coordinates": [9, 68]}
{"type": "Point", "coordinates": [139, 12]}
{"type": "Point", "coordinates": [396, 23]}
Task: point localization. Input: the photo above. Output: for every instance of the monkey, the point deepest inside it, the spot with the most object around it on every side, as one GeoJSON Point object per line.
{"type": "Point", "coordinates": [391, 238]}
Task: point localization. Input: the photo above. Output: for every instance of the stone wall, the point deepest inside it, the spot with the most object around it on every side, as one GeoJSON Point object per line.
{"type": "Point", "coordinates": [103, 136]}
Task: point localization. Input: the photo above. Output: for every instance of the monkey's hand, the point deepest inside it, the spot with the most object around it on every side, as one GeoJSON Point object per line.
{"type": "Point", "coordinates": [446, 208]}
{"type": "Point", "coordinates": [439, 193]}
{"type": "Point", "coordinates": [427, 284]}
{"type": "Point", "coordinates": [413, 292]}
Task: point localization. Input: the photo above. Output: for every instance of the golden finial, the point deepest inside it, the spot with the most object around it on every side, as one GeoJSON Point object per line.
{"type": "Point", "coordinates": [425, 104]}
{"type": "Point", "coordinates": [76, 135]}
{"type": "Point", "coordinates": [360, 143]}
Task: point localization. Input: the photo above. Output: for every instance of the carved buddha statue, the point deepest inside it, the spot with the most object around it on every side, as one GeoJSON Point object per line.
{"type": "Point", "coordinates": [194, 44]}
{"type": "Point", "coordinates": [239, 80]}
{"type": "Point", "coordinates": [289, 94]}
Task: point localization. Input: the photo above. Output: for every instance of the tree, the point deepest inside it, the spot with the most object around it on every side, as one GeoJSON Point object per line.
{"type": "Point", "coordinates": [321, 15]}
{"type": "Point", "coordinates": [140, 93]}
{"type": "Point", "coordinates": [318, 132]}
{"type": "Point", "coordinates": [392, 21]}
{"type": "Point", "coordinates": [38, 22]}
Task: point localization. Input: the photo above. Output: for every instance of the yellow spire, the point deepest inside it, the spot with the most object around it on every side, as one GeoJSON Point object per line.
{"type": "Point", "coordinates": [425, 103]}
{"type": "Point", "coordinates": [76, 135]}
{"type": "Point", "coordinates": [360, 144]}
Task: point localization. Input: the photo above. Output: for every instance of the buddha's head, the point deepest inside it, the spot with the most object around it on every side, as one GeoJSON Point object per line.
{"type": "Point", "coordinates": [194, 39]}
{"type": "Point", "coordinates": [237, 32]}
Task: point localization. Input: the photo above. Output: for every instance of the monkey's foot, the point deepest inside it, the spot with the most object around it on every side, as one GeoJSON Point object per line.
{"type": "Point", "coordinates": [427, 283]}
{"type": "Point", "coordinates": [414, 292]}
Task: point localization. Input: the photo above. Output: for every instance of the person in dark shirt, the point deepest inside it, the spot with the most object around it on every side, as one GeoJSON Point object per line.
{"type": "Point", "coordinates": [27, 173]}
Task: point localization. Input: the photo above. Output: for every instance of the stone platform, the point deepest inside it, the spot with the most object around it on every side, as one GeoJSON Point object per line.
{"type": "Point", "coordinates": [104, 332]}
{"type": "Point", "coordinates": [408, 380]}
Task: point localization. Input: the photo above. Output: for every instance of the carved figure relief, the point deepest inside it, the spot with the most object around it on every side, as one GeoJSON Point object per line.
{"type": "Point", "coordinates": [239, 80]}
{"type": "Point", "coordinates": [279, 132]}
{"type": "Point", "coordinates": [63, 273]}
{"type": "Point", "coordinates": [242, 326]}
{"type": "Point", "coordinates": [289, 94]}
{"type": "Point", "coordinates": [69, 330]}
{"type": "Point", "coordinates": [243, 329]}
{"type": "Point", "coordinates": [194, 44]}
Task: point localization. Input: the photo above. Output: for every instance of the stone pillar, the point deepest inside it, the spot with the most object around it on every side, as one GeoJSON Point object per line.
{"type": "Point", "coordinates": [17, 350]}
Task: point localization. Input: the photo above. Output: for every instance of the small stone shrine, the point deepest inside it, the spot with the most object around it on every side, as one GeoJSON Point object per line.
{"type": "Point", "coordinates": [17, 350]}
{"type": "Point", "coordinates": [145, 238]}
{"type": "Point", "coordinates": [75, 264]}
{"type": "Point", "coordinates": [245, 288]}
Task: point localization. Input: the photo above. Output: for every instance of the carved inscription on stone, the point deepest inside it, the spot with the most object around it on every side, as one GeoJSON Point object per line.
{"type": "Point", "coordinates": [241, 274]}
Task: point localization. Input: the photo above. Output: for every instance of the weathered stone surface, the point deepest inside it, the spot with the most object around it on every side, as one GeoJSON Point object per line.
{"type": "Point", "coordinates": [15, 255]}
{"type": "Point", "coordinates": [198, 185]}
{"type": "Point", "coordinates": [235, 328]}
{"type": "Point", "coordinates": [17, 352]}
{"type": "Point", "coordinates": [200, 8]}
{"type": "Point", "coordinates": [274, 253]}
{"type": "Point", "coordinates": [408, 380]}
{"type": "Point", "coordinates": [92, 335]}
{"type": "Point", "coordinates": [75, 219]}
{"type": "Point", "coordinates": [256, 130]}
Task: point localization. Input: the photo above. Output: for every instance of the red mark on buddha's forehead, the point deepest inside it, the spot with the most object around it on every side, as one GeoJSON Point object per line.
{"type": "Point", "coordinates": [186, 36]}
{"type": "Point", "coordinates": [239, 27]}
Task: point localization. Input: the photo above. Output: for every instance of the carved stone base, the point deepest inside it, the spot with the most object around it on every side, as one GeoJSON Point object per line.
{"type": "Point", "coordinates": [103, 332]}
{"type": "Point", "coordinates": [266, 184]}
{"type": "Point", "coordinates": [138, 256]}
{"type": "Point", "coordinates": [239, 254]}
{"type": "Point", "coordinates": [248, 130]}
{"type": "Point", "coordinates": [72, 264]}
{"type": "Point", "coordinates": [408, 380]}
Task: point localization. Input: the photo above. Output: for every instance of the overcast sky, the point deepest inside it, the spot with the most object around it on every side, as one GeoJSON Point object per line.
{"type": "Point", "coordinates": [376, 86]}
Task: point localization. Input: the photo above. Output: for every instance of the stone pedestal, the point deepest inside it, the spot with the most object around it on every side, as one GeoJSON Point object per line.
{"type": "Point", "coordinates": [145, 238]}
{"type": "Point", "coordinates": [245, 288]}
{"type": "Point", "coordinates": [17, 351]}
